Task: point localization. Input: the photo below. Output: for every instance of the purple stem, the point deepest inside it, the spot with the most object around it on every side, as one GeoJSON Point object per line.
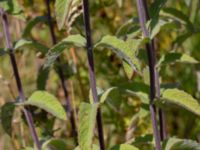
{"type": "Point", "coordinates": [154, 81]}
{"type": "Point", "coordinates": [70, 111]}
{"type": "Point", "coordinates": [163, 131]}
{"type": "Point", "coordinates": [89, 46]}
{"type": "Point", "coordinates": [27, 114]}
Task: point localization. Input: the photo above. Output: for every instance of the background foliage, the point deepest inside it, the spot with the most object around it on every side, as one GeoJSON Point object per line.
{"type": "Point", "coordinates": [118, 48]}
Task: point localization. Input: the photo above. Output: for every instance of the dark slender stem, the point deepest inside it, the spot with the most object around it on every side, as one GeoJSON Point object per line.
{"type": "Point", "coordinates": [154, 80]}
{"type": "Point", "coordinates": [86, 17]}
{"type": "Point", "coordinates": [27, 114]}
{"type": "Point", "coordinates": [70, 111]}
{"type": "Point", "coordinates": [163, 131]}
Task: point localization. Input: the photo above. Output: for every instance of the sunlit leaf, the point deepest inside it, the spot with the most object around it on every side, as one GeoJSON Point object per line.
{"type": "Point", "coordinates": [87, 119]}
{"type": "Point", "coordinates": [48, 102]}
{"type": "Point", "coordinates": [126, 50]}
{"type": "Point", "coordinates": [182, 99]}
{"type": "Point", "coordinates": [61, 9]}
{"type": "Point", "coordinates": [11, 6]}
{"type": "Point", "coordinates": [171, 58]}
{"type": "Point", "coordinates": [128, 70]}
{"type": "Point", "coordinates": [180, 144]}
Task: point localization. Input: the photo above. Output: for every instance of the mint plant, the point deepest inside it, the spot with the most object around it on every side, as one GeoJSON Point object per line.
{"type": "Point", "coordinates": [132, 66]}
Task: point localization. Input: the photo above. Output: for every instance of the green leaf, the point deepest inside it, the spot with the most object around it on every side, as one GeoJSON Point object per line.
{"type": "Point", "coordinates": [24, 44]}
{"type": "Point", "coordinates": [145, 75]}
{"type": "Point", "coordinates": [126, 50]}
{"type": "Point", "coordinates": [61, 9]}
{"type": "Point", "coordinates": [178, 15]}
{"type": "Point", "coordinates": [57, 49]}
{"type": "Point", "coordinates": [182, 99]}
{"type": "Point", "coordinates": [138, 89]}
{"type": "Point", "coordinates": [11, 6]}
{"type": "Point", "coordinates": [128, 70]}
{"type": "Point", "coordinates": [155, 8]}
{"type": "Point", "coordinates": [54, 144]}
{"type": "Point", "coordinates": [155, 29]}
{"type": "Point", "coordinates": [171, 58]}
{"type": "Point", "coordinates": [7, 111]}
{"type": "Point", "coordinates": [87, 119]}
{"type": "Point", "coordinates": [180, 144]}
{"type": "Point", "coordinates": [182, 37]}
{"type": "Point", "coordinates": [48, 102]}
{"type": "Point", "coordinates": [32, 23]}
{"type": "Point", "coordinates": [94, 147]}
{"type": "Point", "coordinates": [42, 78]}
{"type": "Point", "coordinates": [106, 94]}
{"type": "Point", "coordinates": [124, 147]}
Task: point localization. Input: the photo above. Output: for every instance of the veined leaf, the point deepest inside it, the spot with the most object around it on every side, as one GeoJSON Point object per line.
{"type": "Point", "coordinates": [182, 99]}
{"type": "Point", "coordinates": [61, 9]}
{"type": "Point", "coordinates": [87, 119]}
{"type": "Point", "coordinates": [176, 57]}
{"type": "Point", "coordinates": [48, 102]}
{"type": "Point", "coordinates": [57, 49]}
{"type": "Point", "coordinates": [181, 144]}
{"type": "Point", "coordinates": [126, 50]}
{"type": "Point", "coordinates": [7, 111]}
{"type": "Point", "coordinates": [32, 24]}
{"type": "Point", "coordinates": [124, 147]}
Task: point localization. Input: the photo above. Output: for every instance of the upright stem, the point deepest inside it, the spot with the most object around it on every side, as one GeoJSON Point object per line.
{"type": "Point", "coordinates": [70, 111]}
{"type": "Point", "coordinates": [163, 132]}
{"type": "Point", "coordinates": [154, 81]}
{"type": "Point", "coordinates": [27, 114]}
{"type": "Point", "coordinates": [86, 17]}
